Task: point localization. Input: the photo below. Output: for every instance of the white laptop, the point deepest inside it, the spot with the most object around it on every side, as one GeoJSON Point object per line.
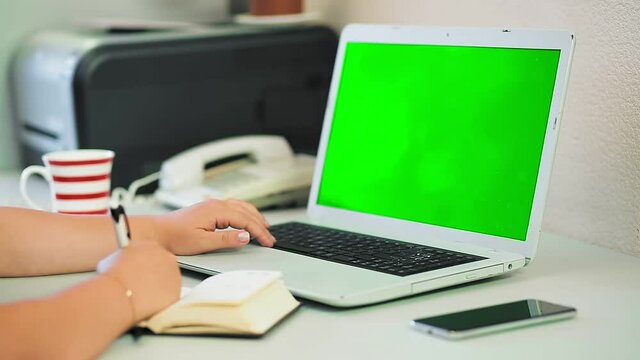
{"type": "Point", "coordinates": [433, 165]}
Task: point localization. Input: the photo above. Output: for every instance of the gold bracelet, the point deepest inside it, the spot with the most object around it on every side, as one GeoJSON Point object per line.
{"type": "Point", "coordinates": [127, 292]}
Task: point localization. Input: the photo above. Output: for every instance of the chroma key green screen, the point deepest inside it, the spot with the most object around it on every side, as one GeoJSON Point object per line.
{"type": "Point", "coordinates": [443, 135]}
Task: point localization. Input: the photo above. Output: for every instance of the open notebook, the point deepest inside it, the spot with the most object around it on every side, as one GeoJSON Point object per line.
{"type": "Point", "coordinates": [234, 303]}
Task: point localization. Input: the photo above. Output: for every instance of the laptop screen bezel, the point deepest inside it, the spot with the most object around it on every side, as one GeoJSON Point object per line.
{"type": "Point", "coordinates": [478, 37]}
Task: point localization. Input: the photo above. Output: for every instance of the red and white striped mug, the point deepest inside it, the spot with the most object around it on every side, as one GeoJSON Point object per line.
{"type": "Point", "coordinates": [80, 180]}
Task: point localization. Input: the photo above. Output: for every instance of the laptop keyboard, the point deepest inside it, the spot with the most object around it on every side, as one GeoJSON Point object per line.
{"type": "Point", "coordinates": [364, 251]}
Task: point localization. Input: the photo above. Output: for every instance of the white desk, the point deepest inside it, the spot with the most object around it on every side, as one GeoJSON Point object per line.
{"type": "Point", "coordinates": [600, 283]}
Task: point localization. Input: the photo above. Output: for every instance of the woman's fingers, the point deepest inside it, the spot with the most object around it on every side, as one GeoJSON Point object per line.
{"type": "Point", "coordinates": [249, 209]}
{"type": "Point", "coordinates": [233, 214]}
{"type": "Point", "coordinates": [239, 220]}
{"type": "Point", "coordinates": [226, 239]}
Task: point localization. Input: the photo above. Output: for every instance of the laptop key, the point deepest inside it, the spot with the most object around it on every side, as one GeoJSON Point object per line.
{"type": "Point", "coordinates": [293, 247]}
{"type": "Point", "coordinates": [342, 258]}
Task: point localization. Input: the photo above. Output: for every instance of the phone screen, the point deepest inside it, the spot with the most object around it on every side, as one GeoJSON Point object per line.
{"type": "Point", "coordinates": [494, 315]}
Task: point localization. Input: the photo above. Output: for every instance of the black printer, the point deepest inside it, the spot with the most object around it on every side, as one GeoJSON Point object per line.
{"type": "Point", "coordinates": [150, 94]}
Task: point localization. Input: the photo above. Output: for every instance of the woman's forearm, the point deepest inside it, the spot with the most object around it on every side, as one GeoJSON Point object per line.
{"type": "Point", "coordinates": [78, 323]}
{"type": "Point", "coordinates": [37, 242]}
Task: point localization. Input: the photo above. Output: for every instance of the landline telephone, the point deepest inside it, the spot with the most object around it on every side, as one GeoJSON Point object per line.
{"type": "Point", "coordinates": [264, 171]}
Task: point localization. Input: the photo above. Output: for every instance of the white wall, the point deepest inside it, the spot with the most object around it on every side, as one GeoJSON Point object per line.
{"type": "Point", "coordinates": [595, 188]}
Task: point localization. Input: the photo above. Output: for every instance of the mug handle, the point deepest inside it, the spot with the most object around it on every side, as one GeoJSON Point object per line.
{"type": "Point", "coordinates": [26, 173]}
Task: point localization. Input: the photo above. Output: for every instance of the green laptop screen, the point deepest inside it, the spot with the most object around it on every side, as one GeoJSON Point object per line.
{"type": "Point", "coordinates": [443, 135]}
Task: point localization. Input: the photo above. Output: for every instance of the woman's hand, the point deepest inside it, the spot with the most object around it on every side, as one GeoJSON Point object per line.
{"type": "Point", "coordinates": [149, 271]}
{"type": "Point", "coordinates": [201, 227]}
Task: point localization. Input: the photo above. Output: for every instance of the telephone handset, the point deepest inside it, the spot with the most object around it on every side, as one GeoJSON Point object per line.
{"type": "Point", "coordinates": [269, 174]}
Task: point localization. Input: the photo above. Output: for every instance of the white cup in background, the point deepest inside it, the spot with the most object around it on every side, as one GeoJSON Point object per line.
{"type": "Point", "coordinates": [79, 180]}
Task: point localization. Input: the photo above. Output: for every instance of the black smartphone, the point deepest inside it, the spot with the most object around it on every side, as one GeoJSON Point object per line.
{"type": "Point", "coordinates": [474, 322]}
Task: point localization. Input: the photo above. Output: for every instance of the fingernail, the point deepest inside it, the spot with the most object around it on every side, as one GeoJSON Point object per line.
{"type": "Point", "coordinates": [273, 238]}
{"type": "Point", "coordinates": [244, 237]}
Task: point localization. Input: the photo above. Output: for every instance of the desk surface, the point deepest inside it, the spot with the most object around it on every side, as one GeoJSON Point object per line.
{"type": "Point", "coordinates": [600, 283]}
